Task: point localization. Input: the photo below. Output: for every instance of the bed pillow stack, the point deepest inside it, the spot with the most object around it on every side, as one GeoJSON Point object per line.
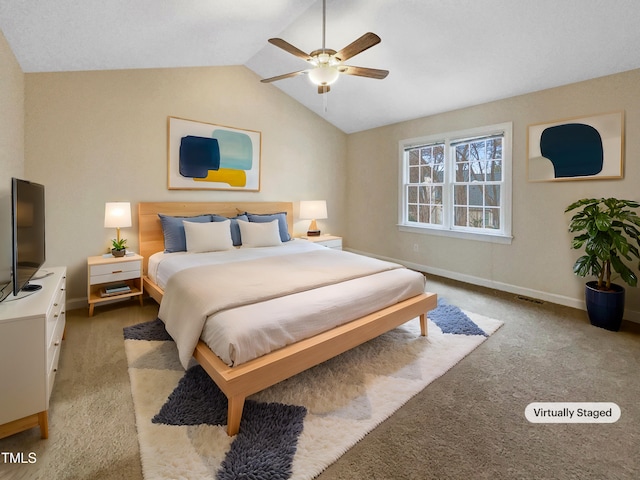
{"type": "Point", "coordinates": [257, 230]}
{"type": "Point", "coordinates": [173, 231]}
{"type": "Point", "coordinates": [281, 217]}
{"type": "Point", "coordinates": [260, 234]}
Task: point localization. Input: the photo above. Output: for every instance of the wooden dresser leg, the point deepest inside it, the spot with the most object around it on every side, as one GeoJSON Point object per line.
{"type": "Point", "coordinates": [423, 325]}
{"type": "Point", "coordinates": [43, 421]}
{"type": "Point", "coordinates": [234, 414]}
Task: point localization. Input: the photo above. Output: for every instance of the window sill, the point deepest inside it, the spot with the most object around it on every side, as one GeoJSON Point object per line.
{"type": "Point", "coordinates": [441, 232]}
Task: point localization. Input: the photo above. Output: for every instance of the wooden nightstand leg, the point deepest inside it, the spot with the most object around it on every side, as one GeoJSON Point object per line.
{"type": "Point", "coordinates": [91, 305]}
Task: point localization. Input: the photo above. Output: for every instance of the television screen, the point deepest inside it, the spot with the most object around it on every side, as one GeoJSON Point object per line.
{"type": "Point", "coordinates": [27, 223]}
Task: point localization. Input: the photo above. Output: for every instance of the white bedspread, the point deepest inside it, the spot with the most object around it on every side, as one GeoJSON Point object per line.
{"type": "Point", "coordinates": [164, 265]}
{"type": "Point", "coordinates": [195, 294]}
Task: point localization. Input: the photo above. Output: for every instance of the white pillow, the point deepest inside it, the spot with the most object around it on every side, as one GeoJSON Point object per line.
{"type": "Point", "coordinates": [208, 237]}
{"type": "Point", "coordinates": [255, 234]}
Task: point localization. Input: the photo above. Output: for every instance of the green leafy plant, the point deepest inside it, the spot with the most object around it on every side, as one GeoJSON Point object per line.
{"type": "Point", "coordinates": [609, 231]}
{"type": "Point", "coordinates": [119, 244]}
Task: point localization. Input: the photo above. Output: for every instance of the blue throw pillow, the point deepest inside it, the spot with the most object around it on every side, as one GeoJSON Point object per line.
{"type": "Point", "coordinates": [173, 231]}
{"type": "Point", "coordinates": [282, 222]}
{"type": "Point", "coordinates": [235, 229]}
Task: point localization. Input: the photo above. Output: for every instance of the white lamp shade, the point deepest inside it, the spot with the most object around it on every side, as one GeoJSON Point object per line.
{"type": "Point", "coordinates": [313, 209]}
{"type": "Point", "coordinates": [117, 214]}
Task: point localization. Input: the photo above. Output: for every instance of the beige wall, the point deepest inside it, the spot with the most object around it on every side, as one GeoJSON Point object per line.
{"type": "Point", "coordinates": [11, 146]}
{"type": "Point", "coordinates": [93, 137]}
{"type": "Point", "coordinates": [539, 261]}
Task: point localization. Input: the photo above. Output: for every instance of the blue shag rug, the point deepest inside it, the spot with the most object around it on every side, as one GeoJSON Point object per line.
{"type": "Point", "coordinates": [287, 431]}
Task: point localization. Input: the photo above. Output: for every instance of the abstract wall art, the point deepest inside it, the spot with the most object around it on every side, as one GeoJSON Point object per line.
{"type": "Point", "coordinates": [584, 148]}
{"type": "Point", "coordinates": [204, 156]}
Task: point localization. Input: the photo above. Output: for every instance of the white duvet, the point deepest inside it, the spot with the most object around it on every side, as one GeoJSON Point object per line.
{"type": "Point", "coordinates": [241, 314]}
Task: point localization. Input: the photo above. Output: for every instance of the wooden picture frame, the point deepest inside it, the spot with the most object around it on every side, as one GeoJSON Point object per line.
{"type": "Point", "coordinates": [206, 156]}
{"type": "Point", "coordinates": [578, 148]}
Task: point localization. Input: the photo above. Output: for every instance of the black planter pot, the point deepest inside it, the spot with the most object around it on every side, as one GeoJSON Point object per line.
{"type": "Point", "coordinates": [605, 308]}
{"type": "Point", "coordinates": [118, 253]}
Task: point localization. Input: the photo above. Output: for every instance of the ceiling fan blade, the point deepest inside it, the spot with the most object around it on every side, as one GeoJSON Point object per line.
{"type": "Point", "coordinates": [287, 47]}
{"type": "Point", "coordinates": [366, 41]}
{"type": "Point", "coordinates": [323, 89]}
{"type": "Point", "coordinates": [364, 72]}
{"type": "Point", "coordinates": [282, 77]}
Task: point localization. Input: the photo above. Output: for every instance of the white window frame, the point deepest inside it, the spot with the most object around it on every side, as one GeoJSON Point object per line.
{"type": "Point", "coordinates": [503, 235]}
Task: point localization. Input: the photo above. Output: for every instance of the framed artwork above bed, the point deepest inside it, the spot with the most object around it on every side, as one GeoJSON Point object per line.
{"type": "Point", "coordinates": [205, 156]}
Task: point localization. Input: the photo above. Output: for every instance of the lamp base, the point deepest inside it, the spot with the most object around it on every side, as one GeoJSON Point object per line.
{"type": "Point", "coordinates": [313, 233]}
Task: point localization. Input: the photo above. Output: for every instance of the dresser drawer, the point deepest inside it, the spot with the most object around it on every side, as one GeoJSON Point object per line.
{"type": "Point", "coordinates": [53, 350]}
{"type": "Point", "coordinates": [56, 310]}
{"type": "Point", "coordinates": [114, 272]}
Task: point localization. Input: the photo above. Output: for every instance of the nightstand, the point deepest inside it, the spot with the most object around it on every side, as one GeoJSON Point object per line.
{"type": "Point", "coordinates": [104, 271]}
{"type": "Point", "coordinates": [329, 241]}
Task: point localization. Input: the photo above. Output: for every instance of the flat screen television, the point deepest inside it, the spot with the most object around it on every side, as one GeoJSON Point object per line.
{"type": "Point", "coordinates": [27, 228]}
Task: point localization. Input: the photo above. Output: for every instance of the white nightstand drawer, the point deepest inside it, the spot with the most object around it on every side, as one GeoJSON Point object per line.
{"type": "Point", "coordinates": [329, 241]}
{"type": "Point", "coordinates": [337, 243]}
{"type": "Point", "coordinates": [109, 268]}
{"type": "Point", "coordinates": [114, 272]}
{"type": "Point", "coordinates": [114, 277]}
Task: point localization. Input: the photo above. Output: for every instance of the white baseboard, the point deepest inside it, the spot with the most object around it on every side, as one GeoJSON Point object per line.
{"type": "Point", "coordinates": [578, 303]}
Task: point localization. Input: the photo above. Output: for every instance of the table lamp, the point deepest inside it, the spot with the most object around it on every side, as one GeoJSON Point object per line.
{"type": "Point", "coordinates": [313, 210]}
{"type": "Point", "coordinates": [117, 215]}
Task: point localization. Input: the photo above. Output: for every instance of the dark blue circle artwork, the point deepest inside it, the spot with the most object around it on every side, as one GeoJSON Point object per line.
{"type": "Point", "coordinates": [574, 149]}
{"type": "Point", "coordinates": [198, 155]}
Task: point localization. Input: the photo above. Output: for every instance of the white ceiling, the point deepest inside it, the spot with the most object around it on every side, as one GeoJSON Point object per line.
{"type": "Point", "coordinates": [442, 55]}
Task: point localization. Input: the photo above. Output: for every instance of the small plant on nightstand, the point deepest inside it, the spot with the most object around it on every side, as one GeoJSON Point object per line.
{"type": "Point", "coordinates": [119, 247]}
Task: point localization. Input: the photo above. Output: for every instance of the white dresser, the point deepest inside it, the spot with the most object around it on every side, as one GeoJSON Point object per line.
{"type": "Point", "coordinates": [31, 331]}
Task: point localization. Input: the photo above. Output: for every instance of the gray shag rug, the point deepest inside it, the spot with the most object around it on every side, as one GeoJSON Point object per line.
{"type": "Point", "coordinates": [298, 427]}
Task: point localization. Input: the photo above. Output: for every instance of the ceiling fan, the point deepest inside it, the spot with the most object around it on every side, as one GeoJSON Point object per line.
{"type": "Point", "coordinates": [327, 64]}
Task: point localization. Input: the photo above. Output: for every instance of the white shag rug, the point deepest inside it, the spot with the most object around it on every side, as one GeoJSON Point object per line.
{"type": "Point", "coordinates": [343, 400]}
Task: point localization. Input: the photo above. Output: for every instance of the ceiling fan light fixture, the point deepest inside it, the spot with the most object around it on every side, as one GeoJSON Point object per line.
{"type": "Point", "coordinates": [324, 74]}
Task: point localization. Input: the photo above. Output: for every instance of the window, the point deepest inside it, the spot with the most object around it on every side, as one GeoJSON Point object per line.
{"type": "Point", "coordinates": [458, 184]}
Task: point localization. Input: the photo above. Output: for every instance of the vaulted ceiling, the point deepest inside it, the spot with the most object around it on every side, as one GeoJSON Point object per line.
{"type": "Point", "coordinates": [442, 55]}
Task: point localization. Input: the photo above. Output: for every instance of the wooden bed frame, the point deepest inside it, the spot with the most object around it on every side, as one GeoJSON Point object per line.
{"type": "Point", "coordinates": [237, 383]}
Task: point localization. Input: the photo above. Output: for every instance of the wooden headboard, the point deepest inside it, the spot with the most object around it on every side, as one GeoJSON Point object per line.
{"type": "Point", "coordinates": [151, 240]}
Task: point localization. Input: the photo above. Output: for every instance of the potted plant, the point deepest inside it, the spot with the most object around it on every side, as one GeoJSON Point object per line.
{"type": "Point", "coordinates": [119, 247]}
{"type": "Point", "coordinates": [609, 231]}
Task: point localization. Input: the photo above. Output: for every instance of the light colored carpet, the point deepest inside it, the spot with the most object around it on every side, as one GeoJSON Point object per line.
{"type": "Point", "coordinates": [469, 423]}
{"type": "Point", "coordinates": [345, 398]}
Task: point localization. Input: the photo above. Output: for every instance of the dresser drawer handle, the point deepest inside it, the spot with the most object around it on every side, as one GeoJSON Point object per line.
{"type": "Point", "coordinates": [117, 271]}
{"type": "Point", "coordinates": [57, 344]}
